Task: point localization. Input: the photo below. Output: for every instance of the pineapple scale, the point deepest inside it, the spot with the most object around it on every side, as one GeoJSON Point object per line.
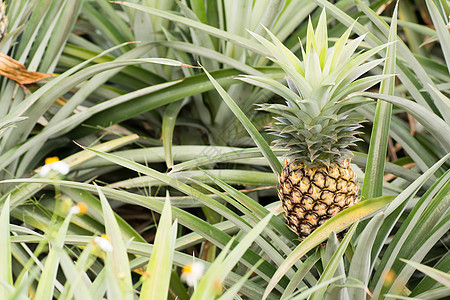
{"type": "Point", "coordinates": [310, 196]}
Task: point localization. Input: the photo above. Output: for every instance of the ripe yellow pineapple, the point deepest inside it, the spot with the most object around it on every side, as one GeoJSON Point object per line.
{"type": "Point", "coordinates": [316, 125]}
{"type": "Point", "coordinates": [310, 196]}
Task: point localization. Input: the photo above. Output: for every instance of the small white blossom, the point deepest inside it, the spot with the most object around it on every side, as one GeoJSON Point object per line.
{"type": "Point", "coordinates": [75, 210]}
{"type": "Point", "coordinates": [53, 163]}
{"type": "Point", "coordinates": [45, 170]}
{"type": "Point", "coordinates": [61, 167]}
{"type": "Point", "coordinates": [80, 208]}
{"type": "Point", "coordinates": [103, 242]}
{"type": "Point", "coordinates": [192, 273]}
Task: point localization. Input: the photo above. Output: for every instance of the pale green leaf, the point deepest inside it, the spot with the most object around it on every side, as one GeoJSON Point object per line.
{"type": "Point", "coordinates": [117, 259]}
{"type": "Point", "coordinates": [373, 177]}
{"type": "Point", "coordinates": [48, 279]}
{"type": "Point", "coordinates": [159, 269]}
{"type": "Point", "coordinates": [435, 125]}
{"type": "Point", "coordinates": [439, 276]}
{"type": "Point", "coordinates": [300, 274]}
{"type": "Point", "coordinates": [234, 38]}
{"type": "Point", "coordinates": [5, 249]}
{"type": "Point", "coordinates": [253, 132]}
{"type": "Point", "coordinates": [441, 30]}
{"type": "Point", "coordinates": [306, 294]}
{"type": "Point", "coordinates": [335, 262]}
{"type": "Point", "coordinates": [360, 265]}
{"type": "Point", "coordinates": [336, 224]}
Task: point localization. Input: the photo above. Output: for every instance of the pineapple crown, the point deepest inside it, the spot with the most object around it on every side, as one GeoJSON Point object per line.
{"type": "Point", "coordinates": [315, 124]}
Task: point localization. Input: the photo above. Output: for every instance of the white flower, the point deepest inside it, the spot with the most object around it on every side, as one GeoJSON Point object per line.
{"type": "Point", "coordinates": [53, 163]}
{"type": "Point", "coordinates": [45, 170]}
{"type": "Point", "coordinates": [192, 273]}
{"type": "Point", "coordinates": [61, 167]}
{"type": "Point", "coordinates": [104, 242]}
{"type": "Point", "coordinates": [75, 210]}
{"type": "Point", "coordinates": [80, 208]}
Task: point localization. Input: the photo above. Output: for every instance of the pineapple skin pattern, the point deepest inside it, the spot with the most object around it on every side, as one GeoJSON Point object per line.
{"type": "Point", "coordinates": [310, 196]}
{"type": "Point", "coordinates": [316, 125]}
{"type": "Point", "coordinates": [3, 20]}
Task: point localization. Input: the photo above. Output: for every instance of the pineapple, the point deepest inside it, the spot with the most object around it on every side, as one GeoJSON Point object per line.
{"type": "Point", "coordinates": [315, 125]}
{"type": "Point", "coordinates": [3, 20]}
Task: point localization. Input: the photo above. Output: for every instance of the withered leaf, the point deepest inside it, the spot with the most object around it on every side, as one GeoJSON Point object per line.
{"type": "Point", "coordinates": [14, 70]}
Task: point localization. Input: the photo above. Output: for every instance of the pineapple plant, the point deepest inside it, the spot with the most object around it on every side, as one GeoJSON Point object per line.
{"type": "Point", "coordinates": [316, 125]}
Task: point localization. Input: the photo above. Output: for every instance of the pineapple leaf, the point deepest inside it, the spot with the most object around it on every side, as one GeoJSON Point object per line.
{"type": "Point", "coordinates": [410, 71]}
{"type": "Point", "coordinates": [373, 178]}
{"type": "Point", "coordinates": [360, 265]}
{"type": "Point", "coordinates": [295, 71]}
{"type": "Point", "coordinates": [322, 39]}
{"type": "Point", "coordinates": [358, 85]}
{"type": "Point", "coordinates": [5, 250]}
{"type": "Point", "coordinates": [118, 260]}
{"type": "Point", "coordinates": [335, 264]}
{"type": "Point", "coordinates": [339, 48]}
{"type": "Point", "coordinates": [441, 30]}
{"type": "Point", "coordinates": [300, 274]}
{"type": "Point", "coordinates": [439, 276]}
{"type": "Point", "coordinates": [168, 124]}
{"type": "Point", "coordinates": [234, 38]}
{"type": "Point", "coordinates": [336, 224]}
{"type": "Point", "coordinates": [157, 287]}
{"type": "Point", "coordinates": [306, 294]}
{"type": "Point", "coordinates": [296, 116]}
{"type": "Point", "coordinates": [392, 213]}
{"type": "Point", "coordinates": [290, 96]}
{"type": "Point", "coordinates": [435, 125]}
{"type": "Point", "coordinates": [256, 136]}
{"type": "Point", "coordinates": [285, 54]}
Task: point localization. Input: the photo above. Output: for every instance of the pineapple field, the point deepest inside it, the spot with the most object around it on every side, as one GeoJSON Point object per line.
{"type": "Point", "coordinates": [224, 149]}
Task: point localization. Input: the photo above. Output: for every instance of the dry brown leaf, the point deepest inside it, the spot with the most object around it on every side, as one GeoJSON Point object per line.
{"type": "Point", "coordinates": [14, 70]}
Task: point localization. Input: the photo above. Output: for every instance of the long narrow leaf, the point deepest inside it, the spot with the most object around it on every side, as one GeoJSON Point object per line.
{"type": "Point", "coordinates": [48, 280]}
{"type": "Point", "coordinates": [435, 125]}
{"type": "Point", "coordinates": [439, 276]}
{"type": "Point", "coordinates": [392, 213]}
{"type": "Point", "coordinates": [441, 30]}
{"type": "Point", "coordinates": [5, 250]}
{"type": "Point", "coordinates": [373, 177]}
{"type": "Point", "coordinates": [117, 259]}
{"type": "Point", "coordinates": [300, 274]}
{"type": "Point", "coordinates": [314, 289]}
{"type": "Point", "coordinates": [156, 285]}
{"type": "Point", "coordinates": [336, 223]}
{"type": "Point", "coordinates": [361, 260]}
{"type": "Point", "coordinates": [77, 281]}
{"type": "Point", "coordinates": [231, 292]}
{"type": "Point", "coordinates": [168, 124]}
{"type": "Point", "coordinates": [335, 262]}
{"type": "Point", "coordinates": [19, 194]}
{"type": "Point", "coordinates": [428, 283]}
{"type": "Point", "coordinates": [239, 40]}
{"type": "Point", "coordinates": [421, 251]}
{"type": "Point", "coordinates": [218, 272]}
{"type": "Point", "coordinates": [253, 132]}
